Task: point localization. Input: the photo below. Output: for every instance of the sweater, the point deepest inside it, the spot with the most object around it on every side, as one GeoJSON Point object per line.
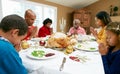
{"type": "Point", "coordinates": [111, 62]}
{"type": "Point", "coordinates": [10, 62]}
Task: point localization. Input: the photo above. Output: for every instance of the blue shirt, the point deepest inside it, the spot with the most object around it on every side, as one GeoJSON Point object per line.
{"type": "Point", "coordinates": [111, 62]}
{"type": "Point", "coordinates": [10, 62]}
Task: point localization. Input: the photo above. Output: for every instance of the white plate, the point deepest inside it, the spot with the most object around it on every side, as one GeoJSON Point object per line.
{"type": "Point", "coordinates": [29, 54]}
{"type": "Point", "coordinates": [85, 38]}
{"type": "Point", "coordinates": [35, 39]}
{"type": "Point", "coordinates": [87, 46]}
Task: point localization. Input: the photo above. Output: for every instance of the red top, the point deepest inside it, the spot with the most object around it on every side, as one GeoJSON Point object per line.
{"type": "Point", "coordinates": [30, 28]}
{"type": "Point", "coordinates": [44, 31]}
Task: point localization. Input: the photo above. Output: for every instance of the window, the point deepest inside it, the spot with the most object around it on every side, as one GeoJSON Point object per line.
{"type": "Point", "coordinates": [18, 7]}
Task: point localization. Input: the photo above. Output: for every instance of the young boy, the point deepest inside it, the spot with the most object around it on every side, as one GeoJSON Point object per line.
{"type": "Point", "coordinates": [13, 29]}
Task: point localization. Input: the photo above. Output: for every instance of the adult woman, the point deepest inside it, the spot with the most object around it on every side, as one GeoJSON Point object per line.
{"type": "Point", "coordinates": [45, 29]}
{"type": "Point", "coordinates": [102, 19]}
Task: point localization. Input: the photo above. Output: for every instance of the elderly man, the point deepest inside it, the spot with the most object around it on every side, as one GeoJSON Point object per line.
{"type": "Point", "coordinates": [30, 17]}
{"type": "Point", "coordinates": [76, 29]}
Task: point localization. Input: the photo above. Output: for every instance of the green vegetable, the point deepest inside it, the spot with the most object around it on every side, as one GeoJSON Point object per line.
{"type": "Point", "coordinates": [79, 45]}
{"type": "Point", "coordinates": [93, 39]}
{"type": "Point", "coordinates": [38, 53]}
{"type": "Point", "coordinates": [92, 48]}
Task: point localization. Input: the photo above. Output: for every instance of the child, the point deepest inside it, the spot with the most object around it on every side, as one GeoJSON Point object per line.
{"type": "Point", "coordinates": [13, 29]}
{"type": "Point", "coordinates": [111, 54]}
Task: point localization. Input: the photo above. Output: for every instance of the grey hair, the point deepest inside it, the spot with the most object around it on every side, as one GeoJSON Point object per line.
{"type": "Point", "coordinates": [76, 20]}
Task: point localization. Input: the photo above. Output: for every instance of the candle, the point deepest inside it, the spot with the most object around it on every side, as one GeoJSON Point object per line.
{"type": "Point", "coordinates": [62, 20]}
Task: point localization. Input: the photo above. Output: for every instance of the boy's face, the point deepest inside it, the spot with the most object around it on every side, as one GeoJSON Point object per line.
{"type": "Point", "coordinates": [15, 39]}
{"type": "Point", "coordinates": [112, 39]}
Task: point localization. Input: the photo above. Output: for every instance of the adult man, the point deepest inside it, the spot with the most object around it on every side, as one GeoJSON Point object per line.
{"type": "Point", "coordinates": [30, 17]}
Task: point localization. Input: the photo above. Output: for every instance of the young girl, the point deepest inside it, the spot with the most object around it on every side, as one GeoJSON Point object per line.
{"type": "Point", "coordinates": [111, 53]}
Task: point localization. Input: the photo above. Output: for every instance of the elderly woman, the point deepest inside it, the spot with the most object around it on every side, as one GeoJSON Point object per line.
{"type": "Point", "coordinates": [45, 29]}
{"type": "Point", "coordinates": [76, 29]}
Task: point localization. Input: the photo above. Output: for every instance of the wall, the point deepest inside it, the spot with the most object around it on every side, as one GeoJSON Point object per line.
{"type": "Point", "coordinates": [1, 11]}
{"type": "Point", "coordinates": [102, 5]}
{"type": "Point", "coordinates": [62, 11]}
{"type": "Point", "coordinates": [66, 12]}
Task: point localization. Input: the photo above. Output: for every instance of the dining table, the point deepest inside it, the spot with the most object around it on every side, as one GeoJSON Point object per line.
{"type": "Point", "coordinates": [89, 62]}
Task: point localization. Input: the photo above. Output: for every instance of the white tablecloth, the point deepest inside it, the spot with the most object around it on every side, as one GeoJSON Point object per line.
{"type": "Point", "coordinates": [51, 66]}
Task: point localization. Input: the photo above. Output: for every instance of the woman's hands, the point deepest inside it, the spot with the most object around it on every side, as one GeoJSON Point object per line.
{"type": "Point", "coordinates": [94, 32]}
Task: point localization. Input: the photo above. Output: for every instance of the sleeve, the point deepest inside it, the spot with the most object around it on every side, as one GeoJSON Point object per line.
{"type": "Point", "coordinates": [102, 37]}
{"type": "Point", "coordinates": [82, 31]}
{"type": "Point", "coordinates": [12, 64]}
{"type": "Point", "coordinates": [71, 30]}
{"type": "Point", "coordinates": [113, 67]}
{"type": "Point", "coordinates": [41, 33]}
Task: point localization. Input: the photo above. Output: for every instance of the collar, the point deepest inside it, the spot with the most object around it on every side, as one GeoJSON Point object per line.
{"type": "Point", "coordinates": [2, 38]}
{"type": "Point", "coordinates": [46, 27]}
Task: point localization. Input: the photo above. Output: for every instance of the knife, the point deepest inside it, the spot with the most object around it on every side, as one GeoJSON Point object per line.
{"type": "Point", "coordinates": [62, 65]}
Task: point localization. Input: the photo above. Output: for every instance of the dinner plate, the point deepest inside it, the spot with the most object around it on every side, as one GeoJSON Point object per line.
{"type": "Point", "coordinates": [87, 46]}
{"type": "Point", "coordinates": [30, 55]}
{"type": "Point", "coordinates": [82, 38]}
{"type": "Point", "coordinates": [36, 39]}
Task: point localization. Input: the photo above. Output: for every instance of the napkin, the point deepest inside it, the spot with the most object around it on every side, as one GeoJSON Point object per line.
{"type": "Point", "coordinates": [30, 66]}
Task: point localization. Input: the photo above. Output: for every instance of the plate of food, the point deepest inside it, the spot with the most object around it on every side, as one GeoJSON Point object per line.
{"type": "Point", "coordinates": [41, 54]}
{"type": "Point", "coordinates": [82, 38]}
{"type": "Point", "coordinates": [91, 47]}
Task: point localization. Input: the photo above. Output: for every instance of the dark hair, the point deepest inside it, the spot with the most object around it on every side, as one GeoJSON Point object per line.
{"type": "Point", "coordinates": [14, 22]}
{"type": "Point", "coordinates": [104, 17]}
{"type": "Point", "coordinates": [114, 27]}
{"type": "Point", "coordinates": [47, 21]}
